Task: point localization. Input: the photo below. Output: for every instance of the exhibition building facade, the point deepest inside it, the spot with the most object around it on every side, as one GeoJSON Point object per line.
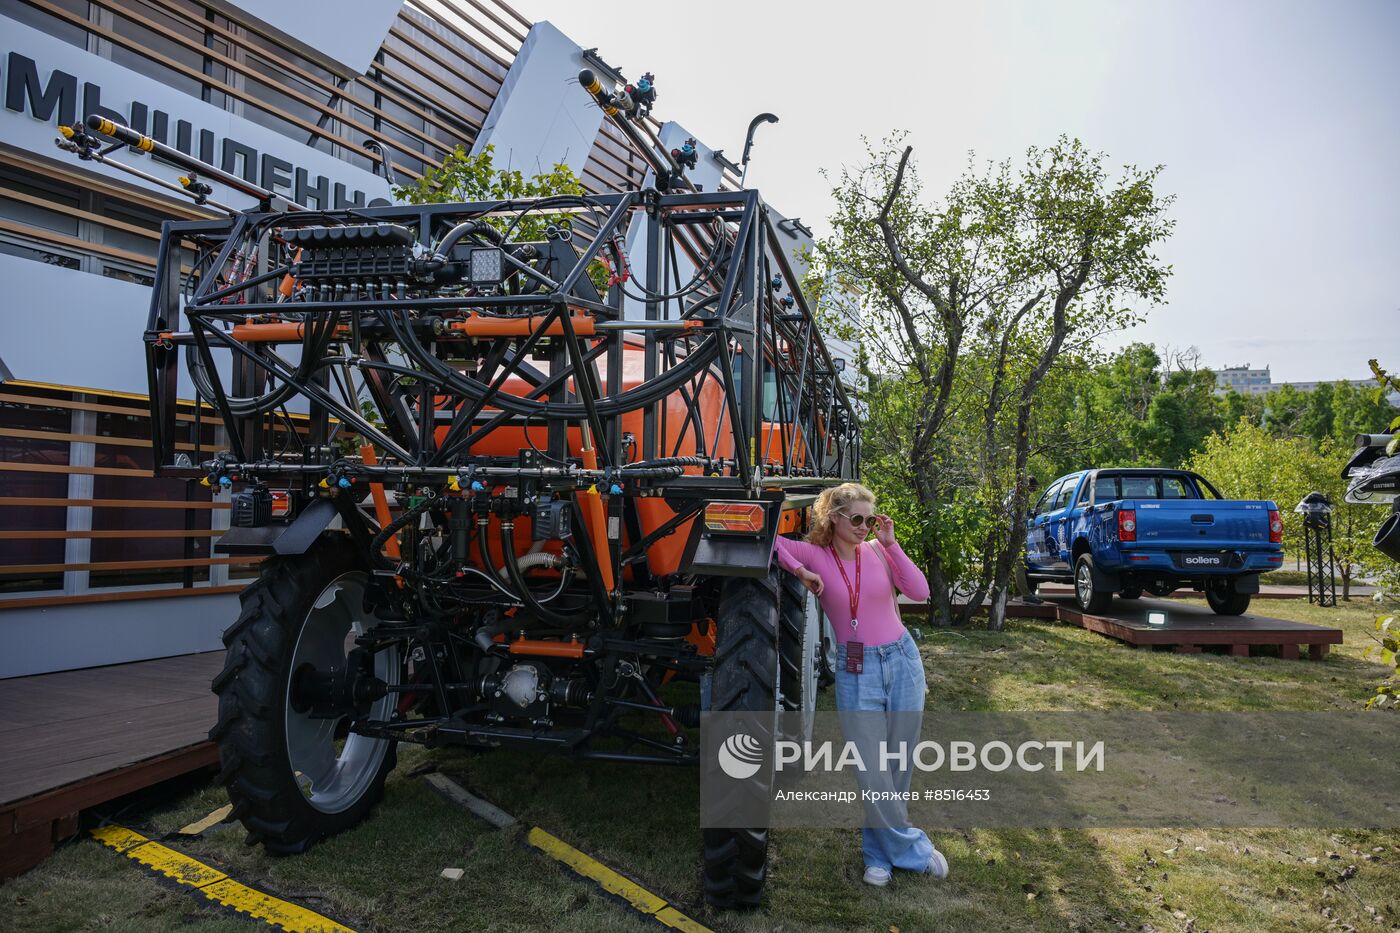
{"type": "Point", "coordinates": [100, 562]}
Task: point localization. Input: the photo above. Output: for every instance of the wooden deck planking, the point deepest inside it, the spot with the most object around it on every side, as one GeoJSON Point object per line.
{"type": "Point", "coordinates": [64, 727]}
{"type": "Point", "coordinates": [77, 739]}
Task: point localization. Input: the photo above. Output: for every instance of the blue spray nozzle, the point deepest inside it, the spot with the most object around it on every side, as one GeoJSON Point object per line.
{"type": "Point", "coordinates": [343, 482]}
{"type": "Point", "coordinates": [477, 485]}
{"type": "Point", "coordinates": [615, 489]}
{"type": "Point", "coordinates": [225, 481]}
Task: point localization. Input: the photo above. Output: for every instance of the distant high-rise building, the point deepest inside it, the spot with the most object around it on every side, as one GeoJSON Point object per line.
{"type": "Point", "coordinates": [1248, 381]}
{"type": "Point", "coordinates": [1243, 380]}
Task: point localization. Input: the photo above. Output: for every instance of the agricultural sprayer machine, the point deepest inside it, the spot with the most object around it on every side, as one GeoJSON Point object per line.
{"type": "Point", "coordinates": [499, 504]}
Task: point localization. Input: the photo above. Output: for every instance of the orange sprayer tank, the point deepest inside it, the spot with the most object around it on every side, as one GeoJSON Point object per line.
{"type": "Point", "coordinates": [677, 437]}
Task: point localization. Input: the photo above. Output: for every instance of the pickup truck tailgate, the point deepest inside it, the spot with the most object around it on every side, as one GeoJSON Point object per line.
{"type": "Point", "coordinates": [1193, 524]}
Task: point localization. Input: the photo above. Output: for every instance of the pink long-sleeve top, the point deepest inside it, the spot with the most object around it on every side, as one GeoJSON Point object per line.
{"type": "Point", "coordinates": [879, 622]}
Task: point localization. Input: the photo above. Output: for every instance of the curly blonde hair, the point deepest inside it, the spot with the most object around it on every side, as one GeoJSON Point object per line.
{"type": "Point", "coordinates": [834, 499]}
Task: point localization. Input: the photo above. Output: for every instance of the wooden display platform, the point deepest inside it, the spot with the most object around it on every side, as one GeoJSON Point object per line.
{"type": "Point", "coordinates": [77, 739]}
{"type": "Point", "coordinates": [1188, 628]}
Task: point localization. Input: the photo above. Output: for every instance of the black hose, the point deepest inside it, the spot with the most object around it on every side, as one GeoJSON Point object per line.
{"type": "Point", "coordinates": [630, 400]}
{"type": "Point", "coordinates": [668, 462]}
{"type": "Point", "coordinates": [314, 345]}
{"type": "Point", "coordinates": [517, 580]}
{"type": "Point", "coordinates": [389, 530]}
{"type": "Point", "coordinates": [443, 251]}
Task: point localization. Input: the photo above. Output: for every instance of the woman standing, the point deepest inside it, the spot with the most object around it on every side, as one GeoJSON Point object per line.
{"type": "Point", "coordinates": [878, 668]}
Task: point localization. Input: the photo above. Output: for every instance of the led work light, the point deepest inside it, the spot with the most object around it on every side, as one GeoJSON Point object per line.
{"type": "Point", "coordinates": [486, 266]}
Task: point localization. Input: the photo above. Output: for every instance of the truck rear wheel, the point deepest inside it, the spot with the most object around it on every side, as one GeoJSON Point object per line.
{"type": "Point", "coordinates": [295, 778]}
{"type": "Point", "coordinates": [745, 679]}
{"type": "Point", "coordinates": [1223, 598]}
{"type": "Point", "coordinates": [1090, 597]}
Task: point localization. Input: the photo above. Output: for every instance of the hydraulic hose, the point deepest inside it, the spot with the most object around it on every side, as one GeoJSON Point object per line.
{"type": "Point", "coordinates": [444, 248]}
{"type": "Point", "coordinates": [389, 530]}
{"type": "Point", "coordinates": [629, 400]}
{"type": "Point", "coordinates": [536, 559]}
{"type": "Point", "coordinates": [256, 405]}
{"type": "Point", "coordinates": [517, 579]}
{"type": "Point", "coordinates": [544, 559]}
{"type": "Point", "coordinates": [667, 462]}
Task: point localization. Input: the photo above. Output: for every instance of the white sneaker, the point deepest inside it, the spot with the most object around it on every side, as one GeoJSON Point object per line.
{"type": "Point", "coordinates": [937, 865]}
{"type": "Point", "coordinates": [881, 876]}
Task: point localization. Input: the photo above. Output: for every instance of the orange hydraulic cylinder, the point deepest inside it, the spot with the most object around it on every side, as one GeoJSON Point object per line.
{"type": "Point", "coordinates": [547, 649]}
{"type": "Point", "coordinates": [477, 326]}
{"type": "Point", "coordinates": [274, 333]}
{"type": "Point", "coordinates": [381, 504]}
{"type": "Point", "coordinates": [597, 522]}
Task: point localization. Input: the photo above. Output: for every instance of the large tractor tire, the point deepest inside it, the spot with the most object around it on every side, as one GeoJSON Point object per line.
{"type": "Point", "coordinates": [294, 778]}
{"type": "Point", "coordinates": [1224, 600]}
{"type": "Point", "coordinates": [799, 650]}
{"type": "Point", "coordinates": [745, 679]}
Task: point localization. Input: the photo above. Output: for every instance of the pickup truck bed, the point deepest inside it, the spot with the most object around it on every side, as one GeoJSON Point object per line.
{"type": "Point", "coordinates": [1123, 531]}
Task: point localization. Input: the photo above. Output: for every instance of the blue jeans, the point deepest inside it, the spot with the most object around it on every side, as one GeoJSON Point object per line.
{"type": "Point", "coordinates": [892, 681]}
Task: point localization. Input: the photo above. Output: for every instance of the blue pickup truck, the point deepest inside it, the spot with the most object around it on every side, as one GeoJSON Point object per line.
{"type": "Point", "coordinates": [1126, 531]}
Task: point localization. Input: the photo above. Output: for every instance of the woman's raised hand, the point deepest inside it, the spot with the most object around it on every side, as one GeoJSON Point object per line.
{"type": "Point", "coordinates": [884, 530]}
{"type": "Point", "coordinates": [810, 580]}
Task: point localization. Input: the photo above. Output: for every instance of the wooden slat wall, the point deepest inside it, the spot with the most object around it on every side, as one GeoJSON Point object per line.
{"type": "Point", "coordinates": [437, 74]}
{"type": "Point", "coordinates": [19, 514]}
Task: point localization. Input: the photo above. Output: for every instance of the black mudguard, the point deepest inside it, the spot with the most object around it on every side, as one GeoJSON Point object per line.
{"type": "Point", "coordinates": [290, 539]}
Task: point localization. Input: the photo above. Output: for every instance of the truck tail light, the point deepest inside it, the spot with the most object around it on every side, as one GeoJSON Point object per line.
{"type": "Point", "coordinates": [1275, 527]}
{"type": "Point", "coordinates": [281, 503]}
{"type": "Point", "coordinates": [1127, 525]}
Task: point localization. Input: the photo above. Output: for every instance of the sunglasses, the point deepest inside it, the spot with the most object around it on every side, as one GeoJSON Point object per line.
{"type": "Point", "coordinates": [859, 521]}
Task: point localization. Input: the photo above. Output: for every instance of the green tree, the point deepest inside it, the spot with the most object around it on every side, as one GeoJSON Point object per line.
{"type": "Point", "coordinates": [1283, 411]}
{"type": "Point", "coordinates": [1359, 410]}
{"type": "Point", "coordinates": [1318, 418]}
{"type": "Point", "coordinates": [976, 297]}
{"type": "Point", "coordinates": [1182, 414]}
{"type": "Point", "coordinates": [1248, 462]}
{"type": "Point", "coordinates": [464, 177]}
{"type": "Point", "coordinates": [1234, 406]}
{"type": "Point", "coordinates": [1096, 410]}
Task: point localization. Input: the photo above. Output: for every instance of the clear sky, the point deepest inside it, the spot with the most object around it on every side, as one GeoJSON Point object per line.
{"type": "Point", "coordinates": [1278, 123]}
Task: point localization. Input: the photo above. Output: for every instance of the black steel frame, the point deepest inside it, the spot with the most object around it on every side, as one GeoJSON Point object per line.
{"type": "Point", "coordinates": [728, 325]}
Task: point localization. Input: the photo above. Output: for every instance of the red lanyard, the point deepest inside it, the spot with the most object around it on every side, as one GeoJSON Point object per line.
{"type": "Point", "coordinates": [853, 593]}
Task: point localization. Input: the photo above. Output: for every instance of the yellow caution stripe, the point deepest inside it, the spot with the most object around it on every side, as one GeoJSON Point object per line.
{"type": "Point", "coordinates": [610, 881]}
{"type": "Point", "coordinates": [214, 884]}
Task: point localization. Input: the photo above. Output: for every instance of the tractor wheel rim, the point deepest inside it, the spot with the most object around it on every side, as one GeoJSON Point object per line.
{"type": "Point", "coordinates": [1084, 585]}
{"type": "Point", "coordinates": [333, 777]}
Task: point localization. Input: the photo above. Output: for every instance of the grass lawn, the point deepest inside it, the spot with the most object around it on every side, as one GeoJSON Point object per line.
{"type": "Point", "coordinates": [384, 874]}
